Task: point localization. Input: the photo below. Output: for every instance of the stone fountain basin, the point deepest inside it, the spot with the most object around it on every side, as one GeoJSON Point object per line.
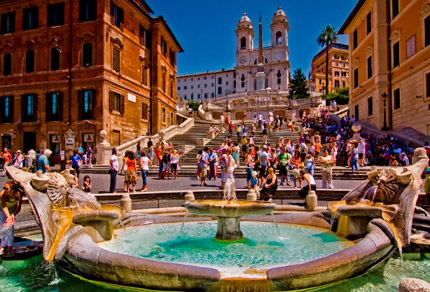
{"type": "Point", "coordinates": [229, 209]}
{"type": "Point", "coordinates": [85, 258]}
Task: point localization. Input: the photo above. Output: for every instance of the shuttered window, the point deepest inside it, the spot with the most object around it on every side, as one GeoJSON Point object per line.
{"type": "Point", "coordinates": [29, 108]}
{"type": "Point", "coordinates": [145, 111]}
{"type": "Point", "coordinates": [6, 109]}
{"type": "Point", "coordinates": [116, 60]}
{"type": "Point", "coordinates": [116, 103]}
{"type": "Point", "coordinates": [29, 61]}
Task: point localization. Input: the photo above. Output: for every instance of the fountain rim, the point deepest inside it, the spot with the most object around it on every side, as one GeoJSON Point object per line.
{"type": "Point", "coordinates": [89, 259]}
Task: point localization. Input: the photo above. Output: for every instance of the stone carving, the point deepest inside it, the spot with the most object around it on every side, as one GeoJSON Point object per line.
{"type": "Point", "coordinates": [63, 209]}
{"type": "Point", "coordinates": [390, 194]}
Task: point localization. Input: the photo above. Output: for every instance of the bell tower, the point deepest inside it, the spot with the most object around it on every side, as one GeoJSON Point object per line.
{"type": "Point", "coordinates": [279, 28]}
{"type": "Point", "coordinates": [244, 40]}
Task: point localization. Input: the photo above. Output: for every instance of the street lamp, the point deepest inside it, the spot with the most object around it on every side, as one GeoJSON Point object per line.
{"type": "Point", "coordinates": [384, 99]}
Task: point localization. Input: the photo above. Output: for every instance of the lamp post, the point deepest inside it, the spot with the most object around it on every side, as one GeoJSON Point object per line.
{"type": "Point", "coordinates": [384, 99]}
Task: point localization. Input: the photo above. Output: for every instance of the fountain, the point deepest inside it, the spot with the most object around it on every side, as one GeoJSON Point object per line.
{"type": "Point", "coordinates": [78, 236]}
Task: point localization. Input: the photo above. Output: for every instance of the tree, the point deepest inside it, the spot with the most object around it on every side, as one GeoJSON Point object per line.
{"type": "Point", "coordinates": [194, 105]}
{"type": "Point", "coordinates": [299, 85]}
{"type": "Point", "coordinates": [327, 37]}
{"type": "Point", "coordinates": [341, 96]}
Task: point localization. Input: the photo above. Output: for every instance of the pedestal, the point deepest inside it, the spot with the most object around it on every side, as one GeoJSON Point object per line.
{"type": "Point", "coordinates": [229, 228]}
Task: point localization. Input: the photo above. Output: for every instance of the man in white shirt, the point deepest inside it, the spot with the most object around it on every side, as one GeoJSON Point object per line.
{"type": "Point", "coordinates": [361, 152]}
{"type": "Point", "coordinates": [113, 170]}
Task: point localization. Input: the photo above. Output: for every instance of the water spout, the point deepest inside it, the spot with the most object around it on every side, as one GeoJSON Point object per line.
{"type": "Point", "coordinates": [276, 224]}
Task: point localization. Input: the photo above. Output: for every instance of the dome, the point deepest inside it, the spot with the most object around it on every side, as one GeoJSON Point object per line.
{"type": "Point", "coordinates": [280, 12]}
{"type": "Point", "coordinates": [279, 16]}
{"type": "Point", "coordinates": [244, 22]}
{"type": "Point", "coordinates": [244, 18]}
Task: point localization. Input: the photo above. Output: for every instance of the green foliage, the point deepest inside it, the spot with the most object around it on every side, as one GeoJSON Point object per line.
{"type": "Point", "coordinates": [194, 105]}
{"type": "Point", "coordinates": [327, 36]}
{"type": "Point", "coordinates": [299, 85]}
{"type": "Point", "coordinates": [341, 96]}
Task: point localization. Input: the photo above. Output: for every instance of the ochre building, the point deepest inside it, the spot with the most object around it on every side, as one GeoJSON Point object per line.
{"type": "Point", "coordinates": [338, 68]}
{"type": "Point", "coordinates": [69, 69]}
{"type": "Point", "coordinates": [389, 44]}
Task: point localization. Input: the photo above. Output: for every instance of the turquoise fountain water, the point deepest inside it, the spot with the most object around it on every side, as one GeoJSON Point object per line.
{"type": "Point", "coordinates": [261, 248]}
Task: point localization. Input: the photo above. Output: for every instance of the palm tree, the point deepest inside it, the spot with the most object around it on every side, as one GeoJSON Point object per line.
{"type": "Point", "coordinates": [327, 37]}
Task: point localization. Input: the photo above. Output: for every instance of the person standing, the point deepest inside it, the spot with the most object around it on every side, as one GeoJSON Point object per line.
{"type": "Point", "coordinates": [203, 165]}
{"type": "Point", "coordinates": [19, 159]}
{"type": "Point", "coordinates": [175, 164]}
{"type": "Point", "coordinates": [213, 158]}
{"type": "Point", "coordinates": [7, 159]}
{"type": "Point", "coordinates": [327, 162]}
{"type": "Point", "coordinates": [361, 152]}
{"type": "Point", "coordinates": [131, 173]}
{"type": "Point", "coordinates": [144, 164]}
{"type": "Point", "coordinates": [11, 201]}
{"type": "Point", "coordinates": [76, 162]}
{"type": "Point", "coordinates": [113, 170]}
{"type": "Point", "coordinates": [89, 156]}
{"type": "Point", "coordinates": [284, 159]}
{"type": "Point", "coordinates": [263, 163]}
{"type": "Point", "coordinates": [43, 161]}
{"type": "Point", "coordinates": [354, 157]}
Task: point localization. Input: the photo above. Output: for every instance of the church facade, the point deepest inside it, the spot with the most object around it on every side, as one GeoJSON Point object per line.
{"type": "Point", "coordinates": [270, 63]}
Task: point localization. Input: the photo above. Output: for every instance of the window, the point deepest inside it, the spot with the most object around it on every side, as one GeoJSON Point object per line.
{"type": "Point", "coordinates": [427, 30]}
{"type": "Point", "coordinates": [56, 14]}
{"type": "Point", "coordinates": [116, 62]}
{"type": "Point", "coordinates": [171, 119]}
{"type": "Point", "coordinates": [163, 115]}
{"type": "Point", "coordinates": [87, 10]}
{"type": "Point", "coordinates": [55, 59]}
{"type": "Point", "coordinates": [116, 15]}
{"type": "Point", "coordinates": [206, 85]}
{"type": "Point", "coordinates": [336, 73]}
{"type": "Point", "coordinates": [179, 88]}
{"type": "Point", "coordinates": [355, 39]}
{"type": "Point", "coordinates": [428, 85]}
{"type": "Point", "coordinates": [163, 45]}
{"type": "Point", "coordinates": [145, 75]}
{"type": "Point", "coordinates": [28, 108]}
{"type": "Point", "coordinates": [144, 37]}
{"type": "Point", "coordinates": [369, 22]}
{"type": "Point", "coordinates": [336, 84]}
{"type": "Point", "coordinates": [397, 98]}
{"type": "Point", "coordinates": [370, 106]}
{"type": "Point", "coordinates": [279, 38]}
{"type": "Point", "coordinates": [87, 55]}
{"type": "Point", "coordinates": [172, 84]}
{"type": "Point", "coordinates": [116, 102]}
{"type": "Point", "coordinates": [369, 68]}
{"type": "Point", "coordinates": [234, 84]}
{"type": "Point", "coordinates": [356, 78]}
{"type": "Point", "coordinates": [343, 73]}
{"type": "Point", "coordinates": [29, 61]}
{"type": "Point", "coordinates": [198, 96]}
{"type": "Point", "coordinates": [243, 43]}
{"type": "Point", "coordinates": [198, 86]}
{"type": "Point", "coordinates": [220, 90]}
{"type": "Point", "coordinates": [145, 111]}
{"type": "Point", "coordinates": [30, 17]}
{"type": "Point", "coordinates": [356, 110]}
{"type": "Point", "coordinates": [395, 8]}
{"type": "Point", "coordinates": [86, 104]}
{"type": "Point", "coordinates": [6, 109]}
{"type": "Point", "coordinates": [219, 80]}
{"type": "Point", "coordinates": [54, 106]}
{"type": "Point", "coordinates": [396, 54]}
{"type": "Point", "coordinates": [172, 58]}
{"type": "Point", "coordinates": [7, 64]}
{"type": "Point", "coordinates": [163, 80]}
{"type": "Point", "coordinates": [212, 94]}
{"type": "Point", "coordinates": [192, 96]}
{"type": "Point", "coordinates": [185, 87]}
{"type": "Point", "coordinates": [192, 86]}
{"type": "Point", "coordinates": [7, 23]}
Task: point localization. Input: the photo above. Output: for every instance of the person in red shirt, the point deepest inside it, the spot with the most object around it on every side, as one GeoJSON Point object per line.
{"type": "Point", "coordinates": [7, 159]}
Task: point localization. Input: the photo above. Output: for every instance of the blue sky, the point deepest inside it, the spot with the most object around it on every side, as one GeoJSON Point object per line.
{"type": "Point", "coordinates": [205, 29]}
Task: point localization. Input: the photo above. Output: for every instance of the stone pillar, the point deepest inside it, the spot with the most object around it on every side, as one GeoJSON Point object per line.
{"type": "Point", "coordinates": [251, 195]}
{"type": "Point", "coordinates": [103, 150]}
{"type": "Point", "coordinates": [311, 201]}
{"type": "Point", "coordinates": [189, 196]}
{"type": "Point", "coordinates": [229, 229]}
{"type": "Point", "coordinates": [126, 202]}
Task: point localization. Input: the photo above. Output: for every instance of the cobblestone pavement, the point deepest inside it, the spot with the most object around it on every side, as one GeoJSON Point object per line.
{"type": "Point", "coordinates": [100, 183]}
